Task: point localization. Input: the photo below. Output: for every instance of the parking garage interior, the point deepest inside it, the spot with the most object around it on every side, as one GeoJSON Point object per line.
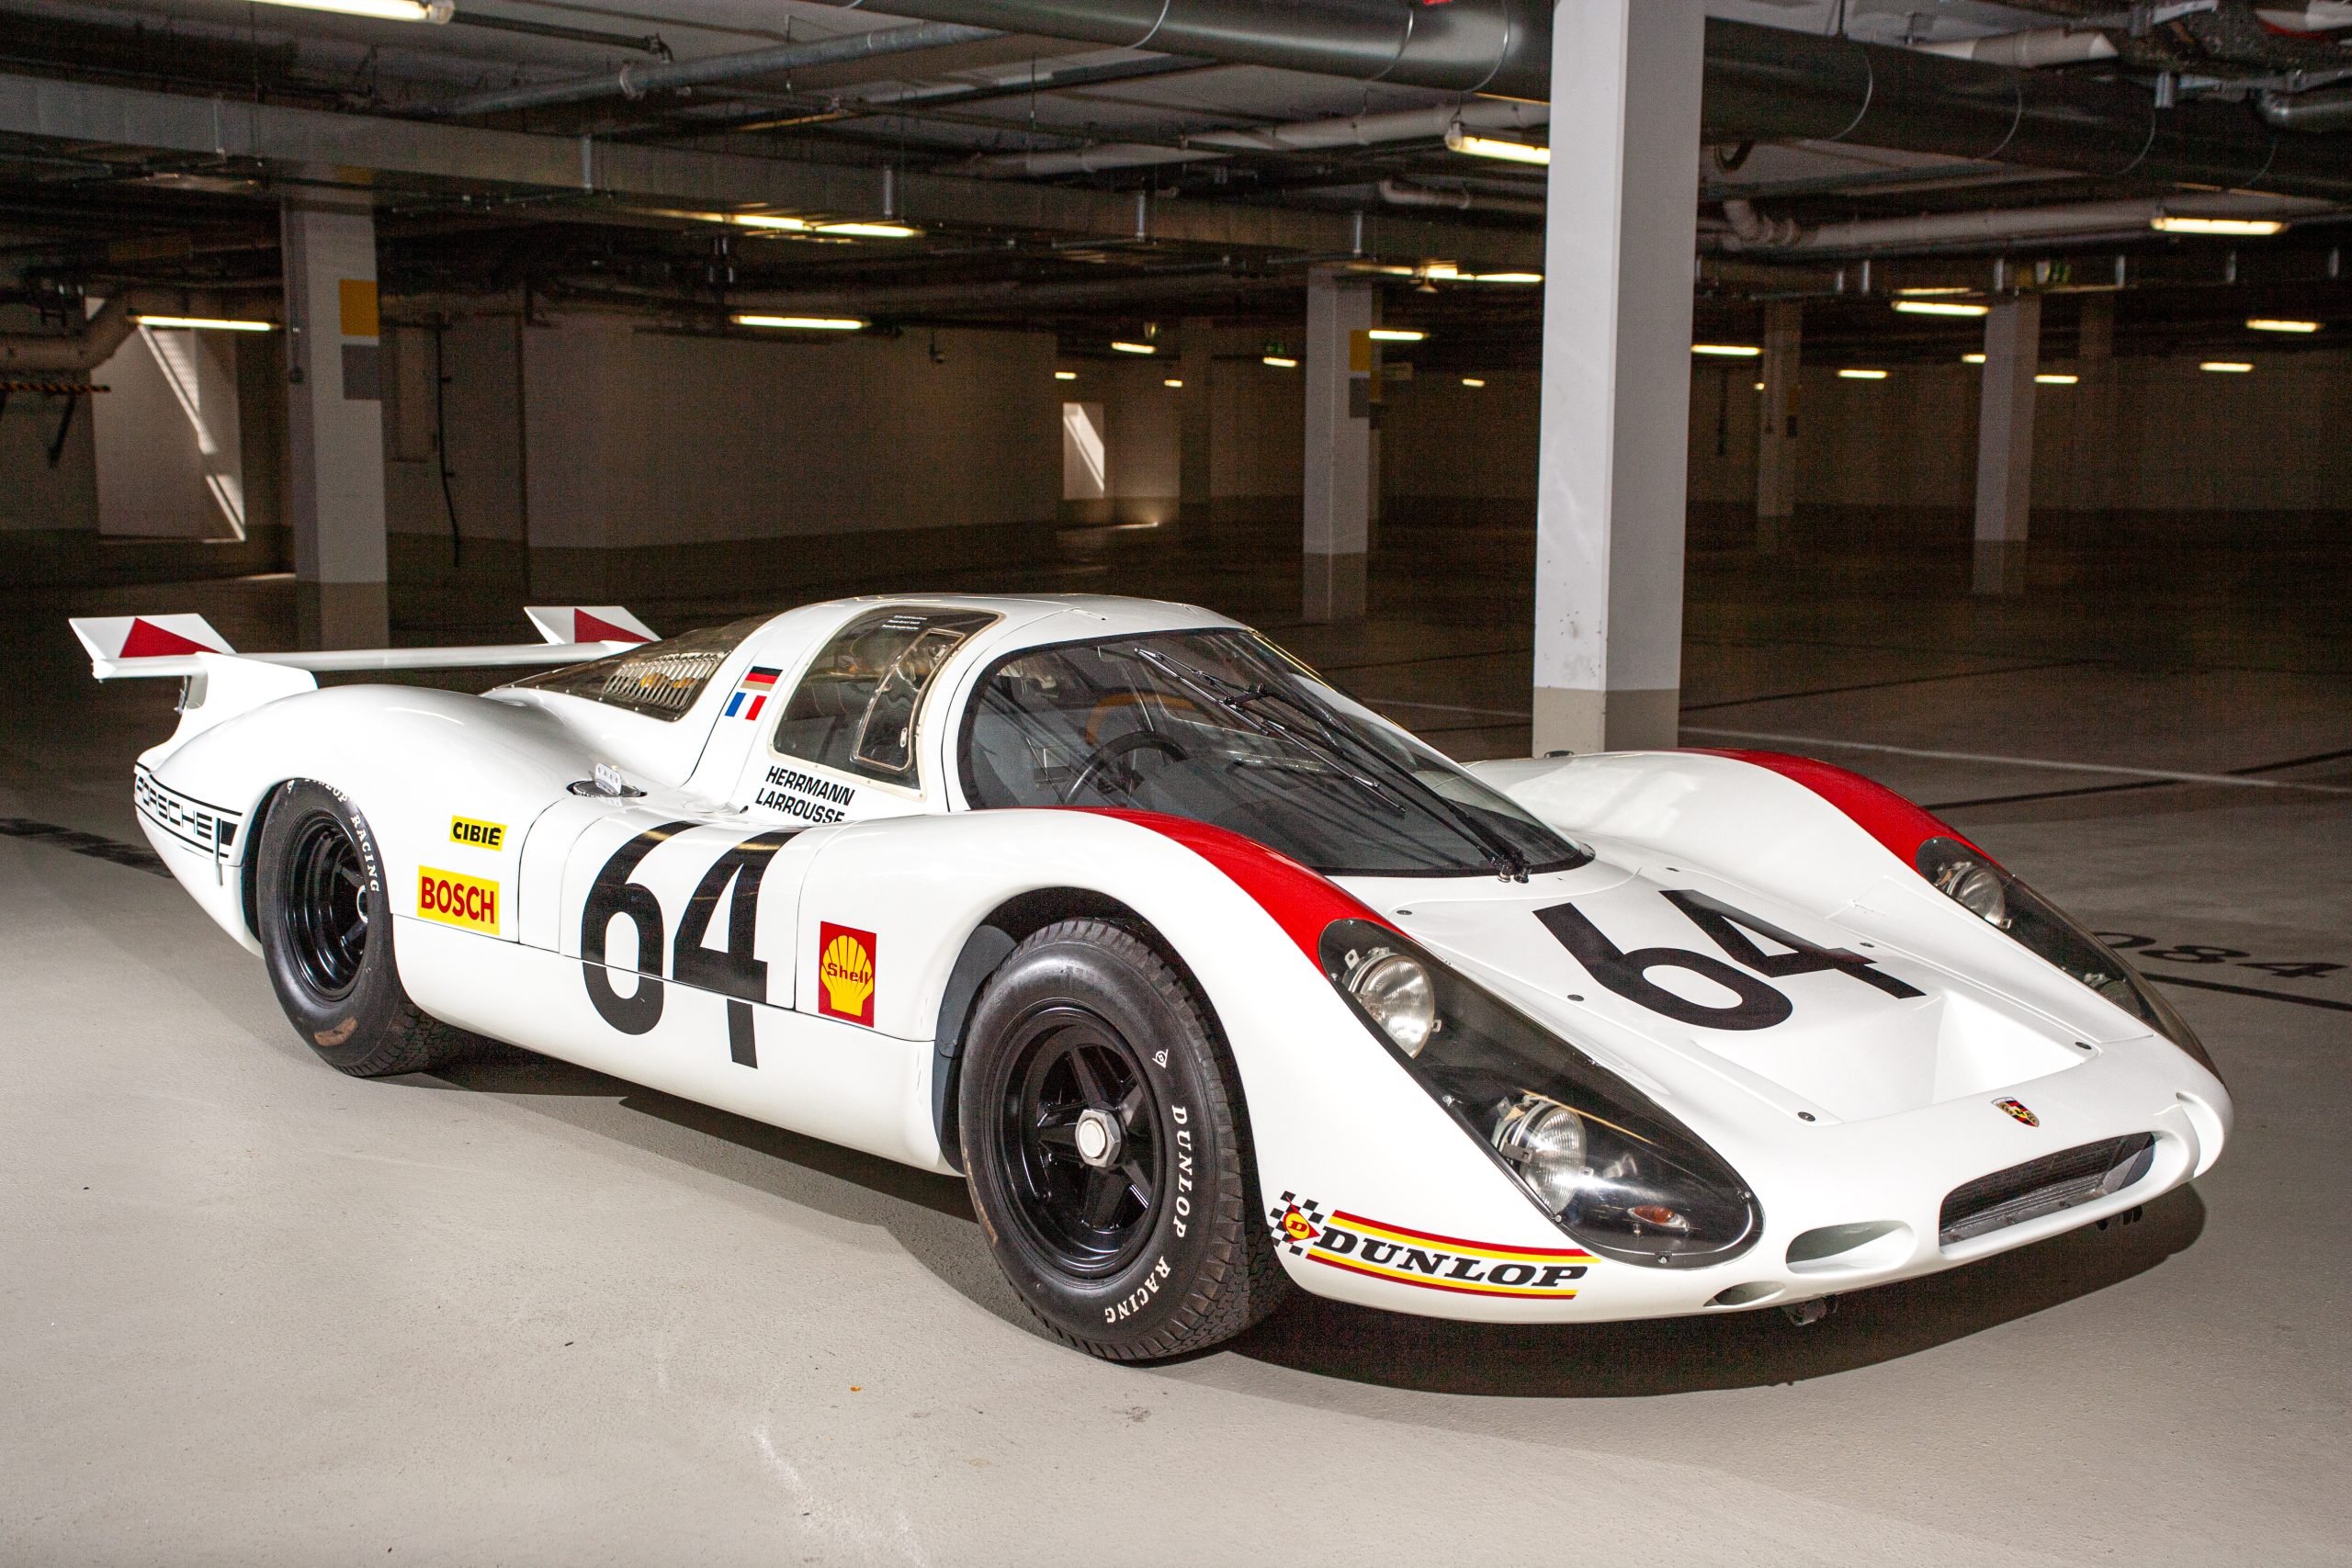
{"type": "Point", "coordinates": [1952, 392]}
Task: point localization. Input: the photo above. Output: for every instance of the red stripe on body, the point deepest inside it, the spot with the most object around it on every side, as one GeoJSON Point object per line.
{"type": "Point", "coordinates": [586, 627]}
{"type": "Point", "coordinates": [1877, 811]}
{"type": "Point", "coordinates": [148, 640]}
{"type": "Point", "coordinates": [1302, 902]}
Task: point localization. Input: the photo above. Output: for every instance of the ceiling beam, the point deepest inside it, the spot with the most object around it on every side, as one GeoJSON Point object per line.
{"type": "Point", "coordinates": [370, 148]}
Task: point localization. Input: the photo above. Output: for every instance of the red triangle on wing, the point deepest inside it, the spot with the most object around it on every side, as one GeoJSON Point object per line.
{"type": "Point", "coordinates": [148, 640]}
{"type": "Point", "coordinates": [586, 627]}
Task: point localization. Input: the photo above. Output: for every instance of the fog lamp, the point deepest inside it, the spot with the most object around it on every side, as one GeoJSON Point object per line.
{"type": "Point", "coordinates": [1976, 887]}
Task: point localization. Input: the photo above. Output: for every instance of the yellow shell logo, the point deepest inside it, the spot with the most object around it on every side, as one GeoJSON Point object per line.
{"type": "Point", "coordinates": [845, 970]}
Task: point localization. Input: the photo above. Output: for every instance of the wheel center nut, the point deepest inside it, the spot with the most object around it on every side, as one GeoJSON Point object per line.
{"type": "Point", "coordinates": [1098, 1138]}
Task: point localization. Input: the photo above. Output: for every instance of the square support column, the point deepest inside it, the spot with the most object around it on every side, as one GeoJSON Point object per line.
{"type": "Point", "coordinates": [1620, 230]}
{"type": "Point", "coordinates": [1196, 342]}
{"type": "Point", "coordinates": [1341, 311]}
{"type": "Point", "coordinates": [334, 419]}
{"type": "Point", "coordinates": [2095, 460]}
{"type": "Point", "coordinates": [2005, 444]}
{"type": "Point", "coordinates": [1776, 428]}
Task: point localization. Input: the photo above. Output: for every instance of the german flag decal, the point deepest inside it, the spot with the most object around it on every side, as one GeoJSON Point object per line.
{"type": "Point", "coordinates": [750, 693]}
{"type": "Point", "coordinates": [1422, 1258]}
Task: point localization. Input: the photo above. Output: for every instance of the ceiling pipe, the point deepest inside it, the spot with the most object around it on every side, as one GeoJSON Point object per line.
{"type": "Point", "coordinates": [636, 81]}
{"type": "Point", "coordinates": [1398, 193]}
{"type": "Point", "coordinates": [1762, 83]}
{"type": "Point", "coordinates": [2028, 51]}
{"type": "Point", "coordinates": [2330, 110]}
{"type": "Point", "coordinates": [1301, 136]}
{"type": "Point", "coordinates": [83, 351]}
{"type": "Point", "coordinates": [1503, 47]}
{"type": "Point", "coordinates": [1752, 232]}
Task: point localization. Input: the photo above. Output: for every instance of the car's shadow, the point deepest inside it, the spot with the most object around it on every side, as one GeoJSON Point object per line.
{"type": "Point", "coordinates": [931, 1217]}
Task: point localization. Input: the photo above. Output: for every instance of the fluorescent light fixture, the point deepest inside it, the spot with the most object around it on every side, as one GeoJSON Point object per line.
{"type": "Point", "coordinates": [1397, 335]}
{"type": "Point", "coordinates": [1727, 350]}
{"type": "Point", "coordinates": [768, 221]}
{"type": "Point", "coordinates": [1118, 347]}
{"type": "Point", "coordinates": [1506, 277]}
{"type": "Point", "coordinates": [869, 230]}
{"type": "Point", "coordinates": [1863, 375]}
{"type": "Point", "coordinates": [1280, 362]}
{"type": "Point", "coordinates": [206, 324]}
{"type": "Point", "coordinates": [1971, 359]}
{"type": "Point", "coordinates": [1474, 381]}
{"type": "Point", "coordinates": [1921, 291]}
{"type": "Point", "coordinates": [2166, 223]}
{"type": "Point", "coordinates": [1064, 375]}
{"type": "Point", "coordinates": [1173, 381]}
{"type": "Point", "coordinates": [2273, 324]}
{"type": "Point", "coordinates": [1759, 386]}
{"type": "Point", "coordinates": [1940, 307]}
{"type": "Point", "coordinates": [806, 323]}
{"type": "Point", "coordinates": [1461, 140]}
{"type": "Point", "coordinates": [2226, 366]}
{"type": "Point", "coordinates": [2051, 379]}
{"type": "Point", "coordinates": [382, 10]}
{"type": "Point", "coordinates": [1444, 271]}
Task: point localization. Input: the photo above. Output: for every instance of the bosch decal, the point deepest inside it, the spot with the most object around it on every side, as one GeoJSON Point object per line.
{"type": "Point", "coordinates": [845, 972]}
{"type": "Point", "coordinates": [1422, 1258]}
{"type": "Point", "coordinates": [467, 902]}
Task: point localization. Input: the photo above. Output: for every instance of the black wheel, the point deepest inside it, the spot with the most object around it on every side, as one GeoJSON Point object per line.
{"type": "Point", "coordinates": [1102, 1130]}
{"type": "Point", "coordinates": [326, 935]}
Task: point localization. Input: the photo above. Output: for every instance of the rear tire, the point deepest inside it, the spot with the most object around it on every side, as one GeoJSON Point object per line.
{"type": "Point", "coordinates": [325, 923]}
{"type": "Point", "coordinates": [1102, 1125]}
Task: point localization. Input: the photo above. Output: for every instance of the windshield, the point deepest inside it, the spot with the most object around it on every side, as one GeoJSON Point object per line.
{"type": "Point", "coordinates": [1223, 727]}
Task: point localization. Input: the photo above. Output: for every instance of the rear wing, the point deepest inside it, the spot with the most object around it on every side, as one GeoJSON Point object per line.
{"type": "Point", "coordinates": [128, 647]}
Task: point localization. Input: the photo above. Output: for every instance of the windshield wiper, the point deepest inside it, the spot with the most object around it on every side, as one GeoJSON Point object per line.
{"type": "Point", "coordinates": [1335, 741]}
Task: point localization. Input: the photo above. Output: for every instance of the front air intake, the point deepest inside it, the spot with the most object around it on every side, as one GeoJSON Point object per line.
{"type": "Point", "coordinates": [2044, 1186]}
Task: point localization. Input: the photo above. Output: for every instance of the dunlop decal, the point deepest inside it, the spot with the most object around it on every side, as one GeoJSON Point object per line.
{"type": "Point", "coordinates": [1432, 1262]}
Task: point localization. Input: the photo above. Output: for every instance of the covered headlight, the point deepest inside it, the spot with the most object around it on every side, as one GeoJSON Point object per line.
{"type": "Point", "coordinates": [1969, 878]}
{"type": "Point", "coordinates": [1394, 990]}
{"type": "Point", "coordinates": [1616, 1172]}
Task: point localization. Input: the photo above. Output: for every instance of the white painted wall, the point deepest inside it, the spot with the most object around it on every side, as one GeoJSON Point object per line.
{"type": "Point", "coordinates": [170, 460]}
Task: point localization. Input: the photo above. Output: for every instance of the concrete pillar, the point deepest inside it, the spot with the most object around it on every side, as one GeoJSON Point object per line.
{"type": "Point", "coordinates": [1776, 429]}
{"type": "Point", "coordinates": [2004, 443]}
{"type": "Point", "coordinates": [2094, 455]}
{"type": "Point", "coordinates": [1620, 230]}
{"type": "Point", "coordinates": [1340, 310]}
{"type": "Point", "coordinates": [334, 419]}
{"type": "Point", "coordinates": [1195, 344]}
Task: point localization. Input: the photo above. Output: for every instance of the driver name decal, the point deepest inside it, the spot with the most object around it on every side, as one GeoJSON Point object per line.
{"type": "Point", "coordinates": [1432, 1262]}
{"type": "Point", "coordinates": [800, 795]}
{"type": "Point", "coordinates": [845, 972]}
{"type": "Point", "coordinates": [468, 903]}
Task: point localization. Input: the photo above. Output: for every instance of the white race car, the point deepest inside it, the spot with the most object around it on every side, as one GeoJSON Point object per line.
{"type": "Point", "coordinates": [1211, 980]}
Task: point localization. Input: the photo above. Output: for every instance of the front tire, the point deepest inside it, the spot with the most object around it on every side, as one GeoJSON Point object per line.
{"type": "Point", "coordinates": [1100, 1122]}
{"type": "Point", "coordinates": [325, 921]}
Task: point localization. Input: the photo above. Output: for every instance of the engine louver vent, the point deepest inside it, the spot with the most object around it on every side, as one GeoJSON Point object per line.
{"type": "Point", "coordinates": [2044, 1186]}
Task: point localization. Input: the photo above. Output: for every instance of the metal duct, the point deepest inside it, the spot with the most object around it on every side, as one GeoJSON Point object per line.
{"type": "Point", "coordinates": [1398, 193]}
{"type": "Point", "coordinates": [1762, 83]}
{"type": "Point", "coordinates": [1301, 136]}
{"type": "Point", "coordinates": [83, 351]}
{"type": "Point", "coordinates": [636, 81]}
{"type": "Point", "coordinates": [1751, 232]}
{"type": "Point", "coordinates": [2030, 51]}
{"type": "Point", "coordinates": [2308, 111]}
{"type": "Point", "coordinates": [1503, 47]}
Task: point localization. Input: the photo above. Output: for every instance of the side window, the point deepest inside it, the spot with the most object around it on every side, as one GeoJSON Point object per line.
{"type": "Point", "coordinates": [855, 710]}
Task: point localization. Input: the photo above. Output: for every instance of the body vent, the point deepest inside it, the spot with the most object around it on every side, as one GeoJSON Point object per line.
{"type": "Point", "coordinates": [2044, 1186]}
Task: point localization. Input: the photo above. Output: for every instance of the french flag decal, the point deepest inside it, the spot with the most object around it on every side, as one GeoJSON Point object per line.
{"type": "Point", "coordinates": [750, 693]}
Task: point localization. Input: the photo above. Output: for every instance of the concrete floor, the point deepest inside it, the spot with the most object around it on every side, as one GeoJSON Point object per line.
{"type": "Point", "coordinates": [253, 1312]}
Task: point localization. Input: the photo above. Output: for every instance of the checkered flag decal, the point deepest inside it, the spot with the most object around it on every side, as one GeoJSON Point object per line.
{"type": "Point", "coordinates": [1297, 1222]}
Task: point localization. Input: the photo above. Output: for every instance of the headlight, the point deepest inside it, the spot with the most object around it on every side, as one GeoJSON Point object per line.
{"type": "Point", "coordinates": [1612, 1168]}
{"type": "Point", "coordinates": [1969, 878]}
{"type": "Point", "coordinates": [1394, 988]}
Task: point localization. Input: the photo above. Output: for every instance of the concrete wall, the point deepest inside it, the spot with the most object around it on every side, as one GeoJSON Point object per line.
{"type": "Point", "coordinates": [1256, 467]}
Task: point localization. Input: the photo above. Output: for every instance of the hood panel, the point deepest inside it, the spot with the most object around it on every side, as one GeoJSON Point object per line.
{"type": "Point", "coordinates": [1701, 973]}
